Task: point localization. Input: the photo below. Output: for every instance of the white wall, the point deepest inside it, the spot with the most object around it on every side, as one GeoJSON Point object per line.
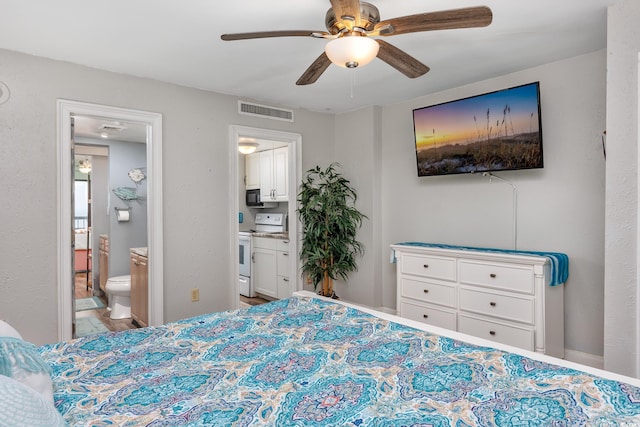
{"type": "Point", "coordinates": [195, 180]}
{"type": "Point", "coordinates": [357, 149]}
{"type": "Point", "coordinates": [560, 207]}
{"type": "Point", "coordinates": [622, 331]}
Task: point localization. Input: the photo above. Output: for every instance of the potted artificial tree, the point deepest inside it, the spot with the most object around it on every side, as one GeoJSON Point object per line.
{"type": "Point", "coordinates": [330, 221]}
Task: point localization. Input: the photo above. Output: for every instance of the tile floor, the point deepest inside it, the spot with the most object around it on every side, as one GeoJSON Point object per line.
{"type": "Point", "coordinates": [101, 313]}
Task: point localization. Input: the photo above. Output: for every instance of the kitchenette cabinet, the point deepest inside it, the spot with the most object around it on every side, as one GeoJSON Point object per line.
{"type": "Point", "coordinates": [271, 265]}
{"type": "Point", "coordinates": [283, 262]}
{"type": "Point", "coordinates": [265, 266]}
{"type": "Point", "coordinates": [274, 175]}
{"type": "Point", "coordinates": [139, 288]}
{"type": "Point", "coordinates": [252, 171]}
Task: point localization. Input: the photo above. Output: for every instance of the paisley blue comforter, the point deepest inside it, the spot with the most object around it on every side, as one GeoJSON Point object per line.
{"type": "Point", "coordinates": [308, 362]}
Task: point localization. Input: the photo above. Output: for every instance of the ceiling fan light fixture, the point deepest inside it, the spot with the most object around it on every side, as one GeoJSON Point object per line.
{"type": "Point", "coordinates": [247, 147]}
{"type": "Point", "coordinates": [352, 51]}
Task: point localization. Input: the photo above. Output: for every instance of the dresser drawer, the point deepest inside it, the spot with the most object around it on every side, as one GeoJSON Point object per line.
{"type": "Point", "coordinates": [517, 278]}
{"type": "Point", "coordinates": [427, 266]}
{"type": "Point", "coordinates": [428, 314]}
{"type": "Point", "coordinates": [511, 307]}
{"type": "Point", "coordinates": [521, 337]}
{"type": "Point", "coordinates": [429, 292]}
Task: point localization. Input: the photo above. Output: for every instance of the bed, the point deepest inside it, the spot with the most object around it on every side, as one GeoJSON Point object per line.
{"type": "Point", "coordinates": [307, 361]}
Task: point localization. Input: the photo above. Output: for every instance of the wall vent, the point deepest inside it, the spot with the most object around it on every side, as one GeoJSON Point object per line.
{"type": "Point", "coordinates": [265, 111]}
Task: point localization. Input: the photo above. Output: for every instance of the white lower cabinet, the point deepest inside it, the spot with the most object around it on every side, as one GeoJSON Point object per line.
{"type": "Point", "coordinates": [271, 261]}
{"type": "Point", "coordinates": [264, 271]}
{"type": "Point", "coordinates": [283, 261]}
{"type": "Point", "coordinates": [492, 295]}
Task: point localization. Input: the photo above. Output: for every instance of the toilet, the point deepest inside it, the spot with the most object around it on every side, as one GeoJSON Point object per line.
{"type": "Point", "coordinates": [118, 290]}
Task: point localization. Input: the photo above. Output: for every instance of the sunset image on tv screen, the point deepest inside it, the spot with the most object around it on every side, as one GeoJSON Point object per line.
{"type": "Point", "coordinates": [494, 131]}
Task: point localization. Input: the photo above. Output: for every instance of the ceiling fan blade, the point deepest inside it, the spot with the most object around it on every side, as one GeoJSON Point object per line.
{"type": "Point", "coordinates": [347, 8]}
{"type": "Point", "coordinates": [266, 34]}
{"type": "Point", "coordinates": [469, 17]}
{"type": "Point", "coordinates": [401, 61]}
{"type": "Point", "coordinates": [315, 70]}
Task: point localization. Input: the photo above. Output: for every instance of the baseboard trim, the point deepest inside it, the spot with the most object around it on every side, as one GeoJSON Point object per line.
{"type": "Point", "coordinates": [584, 358]}
{"type": "Point", "coordinates": [387, 310]}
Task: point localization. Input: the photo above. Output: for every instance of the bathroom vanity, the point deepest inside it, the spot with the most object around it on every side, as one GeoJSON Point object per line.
{"type": "Point", "coordinates": [103, 261]}
{"type": "Point", "coordinates": [139, 286]}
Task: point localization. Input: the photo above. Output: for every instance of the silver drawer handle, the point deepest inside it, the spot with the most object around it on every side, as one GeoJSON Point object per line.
{"type": "Point", "coordinates": [285, 241]}
{"type": "Point", "coordinates": [492, 304]}
{"type": "Point", "coordinates": [426, 316]}
{"type": "Point", "coordinates": [426, 266]}
{"type": "Point", "coordinates": [285, 253]}
{"type": "Point", "coordinates": [492, 332]}
{"type": "Point", "coordinates": [426, 291]}
{"type": "Point", "coordinates": [492, 275]}
{"type": "Point", "coordinates": [285, 279]}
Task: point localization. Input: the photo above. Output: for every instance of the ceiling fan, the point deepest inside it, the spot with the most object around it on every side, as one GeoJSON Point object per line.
{"type": "Point", "coordinates": [351, 26]}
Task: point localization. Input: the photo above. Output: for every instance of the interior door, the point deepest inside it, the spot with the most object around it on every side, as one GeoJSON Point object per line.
{"type": "Point", "coordinates": [73, 233]}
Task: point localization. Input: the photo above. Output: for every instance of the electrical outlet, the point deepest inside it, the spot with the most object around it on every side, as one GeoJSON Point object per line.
{"type": "Point", "coordinates": [195, 294]}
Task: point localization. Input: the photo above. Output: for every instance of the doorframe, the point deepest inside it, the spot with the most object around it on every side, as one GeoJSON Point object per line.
{"type": "Point", "coordinates": [66, 109]}
{"type": "Point", "coordinates": [294, 141]}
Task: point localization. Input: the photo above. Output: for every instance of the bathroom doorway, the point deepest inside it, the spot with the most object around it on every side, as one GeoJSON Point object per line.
{"type": "Point", "coordinates": [68, 111]}
{"type": "Point", "coordinates": [106, 152]}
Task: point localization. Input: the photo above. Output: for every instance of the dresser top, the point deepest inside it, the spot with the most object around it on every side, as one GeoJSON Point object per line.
{"type": "Point", "coordinates": [559, 261]}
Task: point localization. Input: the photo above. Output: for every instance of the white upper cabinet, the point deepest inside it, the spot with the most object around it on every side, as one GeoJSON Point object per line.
{"type": "Point", "coordinates": [274, 175]}
{"type": "Point", "coordinates": [252, 171]}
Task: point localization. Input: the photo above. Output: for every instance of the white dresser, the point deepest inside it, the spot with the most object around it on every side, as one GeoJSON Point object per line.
{"type": "Point", "coordinates": [493, 295]}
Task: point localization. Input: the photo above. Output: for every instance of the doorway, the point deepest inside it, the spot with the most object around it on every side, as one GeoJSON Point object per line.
{"type": "Point", "coordinates": [67, 110]}
{"type": "Point", "coordinates": [294, 143]}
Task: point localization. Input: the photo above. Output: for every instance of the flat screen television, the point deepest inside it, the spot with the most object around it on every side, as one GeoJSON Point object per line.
{"type": "Point", "coordinates": [495, 131]}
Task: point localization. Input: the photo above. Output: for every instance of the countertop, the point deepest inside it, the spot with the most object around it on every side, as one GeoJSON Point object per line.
{"type": "Point", "coordinates": [282, 236]}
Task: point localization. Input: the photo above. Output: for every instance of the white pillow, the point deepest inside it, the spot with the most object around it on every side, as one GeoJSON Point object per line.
{"type": "Point", "coordinates": [6, 330]}
{"type": "Point", "coordinates": [21, 406]}
{"type": "Point", "coordinates": [21, 361]}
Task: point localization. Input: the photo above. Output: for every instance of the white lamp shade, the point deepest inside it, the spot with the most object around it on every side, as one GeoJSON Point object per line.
{"type": "Point", "coordinates": [247, 147]}
{"type": "Point", "coordinates": [352, 51]}
{"type": "Point", "coordinates": [84, 166]}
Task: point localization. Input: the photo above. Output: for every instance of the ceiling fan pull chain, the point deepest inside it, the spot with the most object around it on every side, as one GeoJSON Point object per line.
{"type": "Point", "coordinates": [352, 94]}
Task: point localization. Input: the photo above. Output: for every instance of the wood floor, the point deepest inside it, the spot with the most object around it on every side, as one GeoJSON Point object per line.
{"type": "Point", "coordinates": [101, 313]}
{"type": "Point", "coordinates": [252, 301]}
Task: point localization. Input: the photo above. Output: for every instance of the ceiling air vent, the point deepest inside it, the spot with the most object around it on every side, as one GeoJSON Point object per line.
{"type": "Point", "coordinates": [264, 111]}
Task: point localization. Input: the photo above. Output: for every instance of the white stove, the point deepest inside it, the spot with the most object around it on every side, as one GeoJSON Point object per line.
{"type": "Point", "coordinates": [271, 223]}
{"type": "Point", "coordinates": [266, 223]}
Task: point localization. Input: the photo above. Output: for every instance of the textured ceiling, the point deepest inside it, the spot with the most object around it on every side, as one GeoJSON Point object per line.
{"type": "Point", "coordinates": [179, 42]}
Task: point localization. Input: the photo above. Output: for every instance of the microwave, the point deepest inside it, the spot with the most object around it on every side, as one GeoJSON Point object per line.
{"type": "Point", "coordinates": [252, 199]}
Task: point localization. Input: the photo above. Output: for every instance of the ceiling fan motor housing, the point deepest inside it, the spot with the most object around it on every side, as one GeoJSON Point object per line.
{"type": "Point", "coordinates": [369, 17]}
